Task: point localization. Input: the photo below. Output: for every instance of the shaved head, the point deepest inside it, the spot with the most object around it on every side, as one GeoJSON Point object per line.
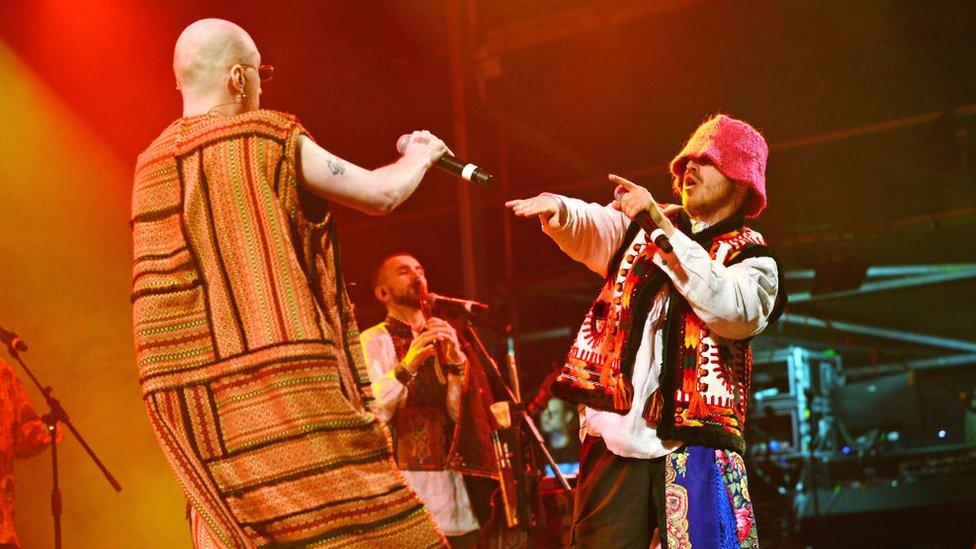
{"type": "Point", "coordinates": [204, 52]}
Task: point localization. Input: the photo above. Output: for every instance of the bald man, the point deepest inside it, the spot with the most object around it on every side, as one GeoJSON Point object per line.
{"type": "Point", "coordinates": [248, 350]}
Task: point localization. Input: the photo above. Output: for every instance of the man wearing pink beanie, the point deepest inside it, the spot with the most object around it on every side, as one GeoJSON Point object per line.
{"type": "Point", "coordinates": [661, 364]}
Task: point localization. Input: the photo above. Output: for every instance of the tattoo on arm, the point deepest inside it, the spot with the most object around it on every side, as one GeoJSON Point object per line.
{"type": "Point", "coordinates": [336, 166]}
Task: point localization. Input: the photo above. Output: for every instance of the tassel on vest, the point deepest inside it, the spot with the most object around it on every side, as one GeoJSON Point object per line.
{"type": "Point", "coordinates": [623, 394]}
{"type": "Point", "coordinates": [654, 407]}
{"type": "Point", "coordinates": [605, 375]}
{"type": "Point", "coordinates": [697, 407]}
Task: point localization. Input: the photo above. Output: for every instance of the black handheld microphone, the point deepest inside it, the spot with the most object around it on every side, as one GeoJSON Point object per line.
{"type": "Point", "coordinates": [12, 340]}
{"type": "Point", "coordinates": [452, 165]}
{"type": "Point", "coordinates": [467, 305]}
{"type": "Point", "coordinates": [644, 220]}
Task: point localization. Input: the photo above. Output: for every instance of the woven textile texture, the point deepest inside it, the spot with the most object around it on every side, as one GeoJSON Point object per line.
{"type": "Point", "coordinates": [705, 379]}
{"type": "Point", "coordinates": [248, 352]}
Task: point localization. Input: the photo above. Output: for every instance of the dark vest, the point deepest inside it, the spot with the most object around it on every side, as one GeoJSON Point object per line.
{"type": "Point", "coordinates": [422, 428]}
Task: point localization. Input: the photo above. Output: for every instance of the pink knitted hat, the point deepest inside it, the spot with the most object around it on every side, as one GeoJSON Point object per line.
{"type": "Point", "coordinates": [736, 149]}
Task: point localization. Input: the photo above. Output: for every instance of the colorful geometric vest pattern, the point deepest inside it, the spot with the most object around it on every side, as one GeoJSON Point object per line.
{"type": "Point", "coordinates": [418, 427]}
{"type": "Point", "coordinates": [248, 351]}
{"type": "Point", "coordinates": [704, 382]}
{"type": "Point", "coordinates": [422, 428]}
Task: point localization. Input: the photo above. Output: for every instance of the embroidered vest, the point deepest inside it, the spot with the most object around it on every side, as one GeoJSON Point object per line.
{"type": "Point", "coordinates": [422, 427]}
{"type": "Point", "coordinates": [704, 381]}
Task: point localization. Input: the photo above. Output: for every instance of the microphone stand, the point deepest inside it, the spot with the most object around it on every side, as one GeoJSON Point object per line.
{"type": "Point", "coordinates": [472, 335]}
{"type": "Point", "coordinates": [55, 415]}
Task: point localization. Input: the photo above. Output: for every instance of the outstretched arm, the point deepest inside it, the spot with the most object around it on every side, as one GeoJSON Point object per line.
{"type": "Point", "coordinates": [375, 192]}
{"type": "Point", "coordinates": [586, 232]}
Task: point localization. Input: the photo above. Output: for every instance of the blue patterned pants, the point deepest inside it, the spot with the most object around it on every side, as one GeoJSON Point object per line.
{"type": "Point", "coordinates": [696, 497]}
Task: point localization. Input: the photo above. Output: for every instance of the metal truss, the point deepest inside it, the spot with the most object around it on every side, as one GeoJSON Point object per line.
{"type": "Point", "coordinates": [887, 278]}
{"type": "Point", "coordinates": [582, 19]}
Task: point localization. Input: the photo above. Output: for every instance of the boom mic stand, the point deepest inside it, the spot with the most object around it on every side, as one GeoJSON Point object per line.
{"type": "Point", "coordinates": [472, 335]}
{"type": "Point", "coordinates": [55, 415]}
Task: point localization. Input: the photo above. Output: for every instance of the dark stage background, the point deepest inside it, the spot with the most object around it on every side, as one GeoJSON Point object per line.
{"type": "Point", "coordinates": [868, 108]}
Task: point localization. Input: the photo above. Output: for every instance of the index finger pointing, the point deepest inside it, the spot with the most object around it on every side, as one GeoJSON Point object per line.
{"type": "Point", "coordinates": [623, 182]}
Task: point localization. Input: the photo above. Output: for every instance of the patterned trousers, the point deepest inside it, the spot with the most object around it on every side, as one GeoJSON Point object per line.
{"type": "Point", "coordinates": [696, 497]}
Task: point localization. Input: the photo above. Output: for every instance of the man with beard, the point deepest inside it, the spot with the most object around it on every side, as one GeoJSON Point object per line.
{"type": "Point", "coordinates": [248, 351]}
{"type": "Point", "coordinates": [422, 385]}
{"type": "Point", "coordinates": [662, 362]}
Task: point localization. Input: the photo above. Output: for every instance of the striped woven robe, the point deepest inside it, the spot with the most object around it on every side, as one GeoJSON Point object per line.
{"type": "Point", "coordinates": [248, 352]}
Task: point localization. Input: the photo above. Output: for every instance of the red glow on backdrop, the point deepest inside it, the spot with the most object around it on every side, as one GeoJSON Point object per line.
{"type": "Point", "coordinates": [84, 86]}
{"type": "Point", "coordinates": [63, 286]}
{"type": "Point", "coordinates": [93, 54]}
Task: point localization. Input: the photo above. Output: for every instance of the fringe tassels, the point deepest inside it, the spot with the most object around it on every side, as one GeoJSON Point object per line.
{"type": "Point", "coordinates": [655, 405]}
{"type": "Point", "coordinates": [623, 394]}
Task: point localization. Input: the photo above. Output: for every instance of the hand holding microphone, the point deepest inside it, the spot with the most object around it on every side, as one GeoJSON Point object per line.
{"type": "Point", "coordinates": [637, 203]}
{"type": "Point", "coordinates": [441, 156]}
{"type": "Point", "coordinates": [422, 143]}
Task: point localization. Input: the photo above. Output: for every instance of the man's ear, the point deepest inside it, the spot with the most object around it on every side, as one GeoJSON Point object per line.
{"type": "Point", "coordinates": [236, 80]}
{"type": "Point", "coordinates": [381, 293]}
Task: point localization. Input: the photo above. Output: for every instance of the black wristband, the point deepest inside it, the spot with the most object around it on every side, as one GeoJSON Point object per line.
{"type": "Point", "coordinates": [402, 374]}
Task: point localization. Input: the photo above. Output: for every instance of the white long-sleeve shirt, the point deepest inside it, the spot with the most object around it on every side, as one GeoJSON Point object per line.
{"type": "Point", "coordinates": [443, 492]}
{"type": "Point", "coordinates": [734, 302]}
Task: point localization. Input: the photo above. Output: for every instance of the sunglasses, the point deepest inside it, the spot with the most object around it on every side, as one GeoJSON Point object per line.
{"type": "Point", "coordinates": [265, 72]}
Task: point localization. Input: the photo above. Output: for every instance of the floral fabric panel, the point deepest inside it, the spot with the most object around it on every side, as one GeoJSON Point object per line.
{"type": "Point", "coordinates": [706, 500]}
